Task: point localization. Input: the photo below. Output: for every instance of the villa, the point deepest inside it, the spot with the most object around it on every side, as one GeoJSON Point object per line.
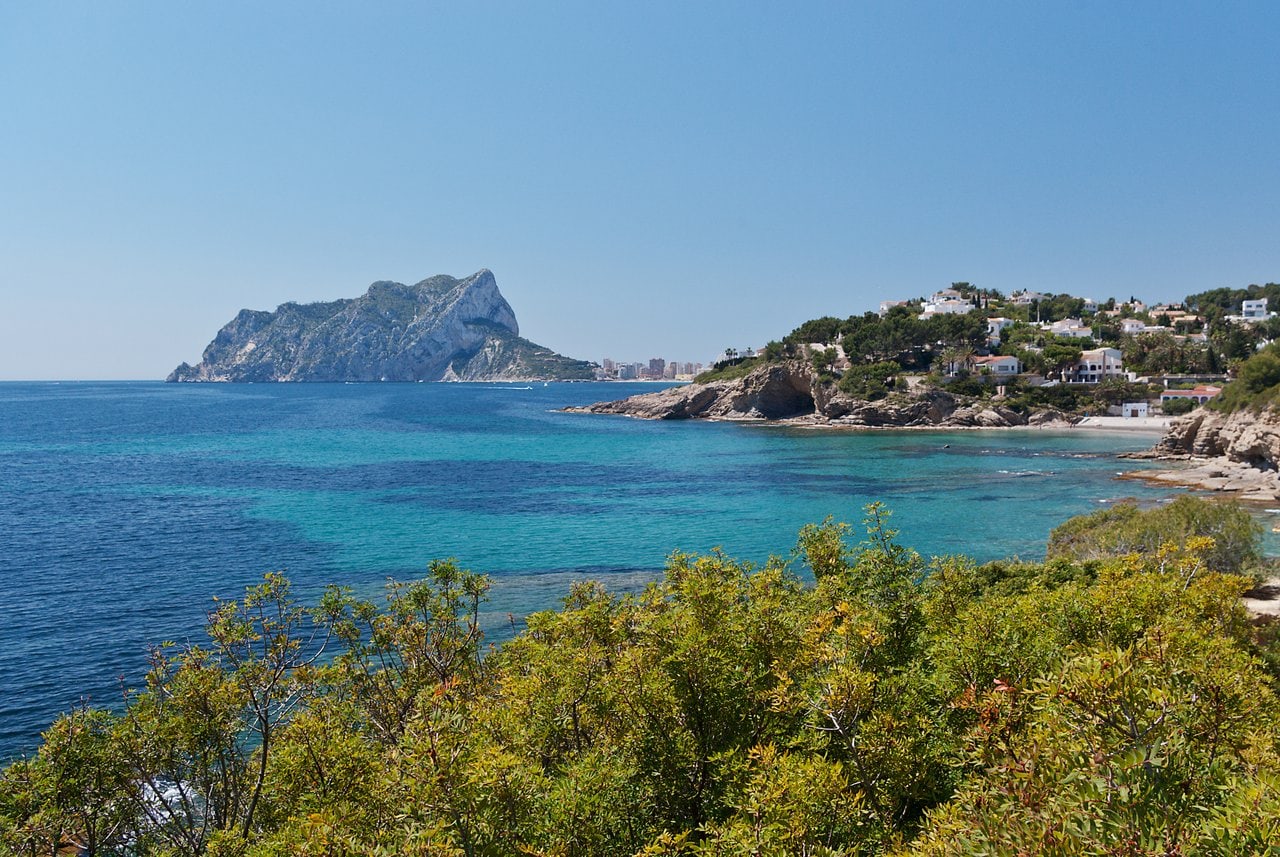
{"type": "Point", "coordinates": [1097, 364]}
{"type": "Point", "coordinates": [996, 365]}
{"type": "Point", "coordinates": [1072, 327]}
{"type": "Point", "coordinates": [1200, 394]}
{"type": "Point", "coordinates": [947, 302]}
{"type": "Point", "coordinates": [1252, 311]}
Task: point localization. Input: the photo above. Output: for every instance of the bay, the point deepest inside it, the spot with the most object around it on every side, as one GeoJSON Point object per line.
{"type": "Point", "coordinates": [125, 508]}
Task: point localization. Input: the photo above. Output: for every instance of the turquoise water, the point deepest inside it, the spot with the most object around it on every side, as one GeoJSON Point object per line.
{"type": "Point", "coordinates": [125, 507]}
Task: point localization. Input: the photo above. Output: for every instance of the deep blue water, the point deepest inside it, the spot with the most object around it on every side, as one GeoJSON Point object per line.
{"type": "Point", "coordinates": [126, 507]}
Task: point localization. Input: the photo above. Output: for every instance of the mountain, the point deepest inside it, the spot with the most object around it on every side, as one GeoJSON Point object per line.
{"type": "Point", "coordinates": [441, 329]}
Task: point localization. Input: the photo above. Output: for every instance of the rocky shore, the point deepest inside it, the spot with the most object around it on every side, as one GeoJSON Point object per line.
{"type": "Point", "coordinates": [1231, 453]}
{"type": "Point", "coordinates": [792, 393]}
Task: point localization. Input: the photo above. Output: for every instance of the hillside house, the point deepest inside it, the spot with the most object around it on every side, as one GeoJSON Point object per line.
{"type": "Point", "coordinates": [994, 326]}
{"type": "Point", "coordinates": [996, 365]}
{"type": "Point", "coordinates": [1255, 310]}
{"type": "Point", "coordinates": [1199, 394]}
{"type": "Point", "coordinates": [1072, 327]}
{"type": "Point", "coordinates": [1095, 365]}
{"type": "Point", "coordinates": [947, 302]}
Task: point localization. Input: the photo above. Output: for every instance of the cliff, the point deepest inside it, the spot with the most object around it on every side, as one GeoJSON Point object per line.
{"type": "Point", "coordinates": [794, 393]}
{"type": "Point", "coordinates": [1244, 437]}
{"type": "Point", "coordinates": [439, 329]}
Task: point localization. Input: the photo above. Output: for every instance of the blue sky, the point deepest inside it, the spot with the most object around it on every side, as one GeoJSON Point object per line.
{"type": "Point", "coordinates": [644, 179]}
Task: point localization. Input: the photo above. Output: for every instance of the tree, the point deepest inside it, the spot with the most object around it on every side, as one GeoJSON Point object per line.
{"type": "Point", "coordinates": [1059, 355]}
{"type": "Point", "coordinates": [76, 792]}
{"type": "Point", "coordinates": [199, 738]}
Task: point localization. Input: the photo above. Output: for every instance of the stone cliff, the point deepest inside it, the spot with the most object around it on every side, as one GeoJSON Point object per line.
{"type": "Point", "coordinates": [1245, 437]}
{"type": "Point", "coordinates": [794, 393]}
{"type": "Point", "coordinates": [439, 329]}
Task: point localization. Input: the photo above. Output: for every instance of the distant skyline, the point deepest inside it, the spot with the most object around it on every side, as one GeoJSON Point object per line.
{"type": "Point", "coordinates": [644, 179]}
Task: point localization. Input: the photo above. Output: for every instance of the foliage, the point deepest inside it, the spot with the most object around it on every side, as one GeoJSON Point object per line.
{"type": "Point", "coordinates": [870, 381]}
{"type": "Point", "coordinates": [729, 370]}
{"type": "Point", "coordinates": [899, 336]}
{"type": "Point", "coordinates": [1062, 397]}
{"type": "Point", "coordinates": [1100, 702]}
{"type": "Point", "coordinates": [1124, 529]}
{"type": "Point", "coordinates": [1227, 301]}
{"type": "Point", "coordinates": [1256, 385]}
{"type": "Point", "coordinates": [1117, 391]}
{"type": "Point", "coordinates": [1160, 353]}
{"type": "Point", "coordinates": [1178, 406]}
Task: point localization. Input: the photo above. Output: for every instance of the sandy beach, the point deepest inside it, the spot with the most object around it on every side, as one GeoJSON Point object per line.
{"type": "Point", "coordinates": [1155, 425]}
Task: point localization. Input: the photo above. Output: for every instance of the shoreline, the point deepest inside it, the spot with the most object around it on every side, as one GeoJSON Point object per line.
{"type": "Point", "coordinates": [1105, 425]}
{"type": "Point", "coordinates": [1216, 475]}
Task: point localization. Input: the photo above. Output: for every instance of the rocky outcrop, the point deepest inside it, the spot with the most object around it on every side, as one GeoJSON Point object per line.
{"type": "Point", "coordinates": [1235, 453]}
{"type": "Point", "coordinates": [1244, 437]}
{"type": "Point", "coordinates": [794, 393]}
{"type": "Point", "coordinates": [439, 329]}
{"type": "Point", "coordinates": [774, 391]}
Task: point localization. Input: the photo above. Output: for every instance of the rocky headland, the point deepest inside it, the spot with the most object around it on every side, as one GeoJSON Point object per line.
{"type": "Point", "coordinates": [440, 329]}
{"type": "Point", "coordinates": [792, 393]}
{"type": "Point", "coordinates": [1235, 453]}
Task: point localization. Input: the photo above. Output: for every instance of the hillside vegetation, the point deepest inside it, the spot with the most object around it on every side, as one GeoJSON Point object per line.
{"type": "Point", "coordinates": [1256, 385]}
{"type": "Point", "coordinates": [851, 698]}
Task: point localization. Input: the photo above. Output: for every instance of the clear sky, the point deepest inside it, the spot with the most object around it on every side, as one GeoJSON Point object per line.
{"type": "Point", "coordinates": [644, 178]}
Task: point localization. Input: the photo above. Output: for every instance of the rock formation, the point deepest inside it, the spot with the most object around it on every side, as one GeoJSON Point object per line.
{"type": "Point", "coordinates": [438, 329]}
{"type": "Point", "coordinates": [1245, 437]}
{"type": "Point", "coordinates": [1234, 453]}
{"type": "Point", "coordinates": [794, 392]}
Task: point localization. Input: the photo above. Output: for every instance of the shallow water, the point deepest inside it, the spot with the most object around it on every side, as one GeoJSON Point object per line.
{"type": "Point", "coordinates": [126, 507]}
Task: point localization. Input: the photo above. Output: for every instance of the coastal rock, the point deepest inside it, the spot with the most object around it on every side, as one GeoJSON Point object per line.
{"type": "Point", "coordinates": [793, 392]}
{"type": "Point", "coordinates": [775, 391]}
{"type": "Point", "coordinates": [1235, 453]}
{"type": "Point", "coordinates": [438, 329]}
{"type": "Point", "coordinates": [1245, 437]}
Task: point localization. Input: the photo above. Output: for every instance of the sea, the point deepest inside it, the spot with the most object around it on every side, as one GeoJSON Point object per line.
{"type": "Point", "coordinates": [126, 508]}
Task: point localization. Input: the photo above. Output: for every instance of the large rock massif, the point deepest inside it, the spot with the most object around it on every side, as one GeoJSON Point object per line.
{"type": "Point", "coordinates": [441, 329]}
{"type": "Point", "coordinates": [793, 393]}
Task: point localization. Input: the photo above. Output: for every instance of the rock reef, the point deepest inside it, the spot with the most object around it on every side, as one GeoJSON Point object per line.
{"type": "Point", "coordinates": [793, 393]}
{"type": "Point", "coordinates": [440, 329]}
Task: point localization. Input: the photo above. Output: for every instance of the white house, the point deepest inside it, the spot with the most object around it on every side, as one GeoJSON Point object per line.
{"type": "Point", "coordinates": [1096, 365]}
{"type": "Point", "coordinates": [946, 302]}
{"type": "Point", "coordinates": [1132, 326]}
{"type": "Point", "coordinates": [1072, 327]}
{"type": "Point", "coordinates": [885, 306]}
{"type": "Point", "coordinates": [1254, 310]}
{"type": "Point", "coordinates": [996, 365]}
{"type": "Point", "coordinates": [994, 326]}
{"type": "Point", "coordinates": [1090, 305]}
{"type": "Point", "coordinates": [1027, 297]}
{"type": "Point", "coordinates": [1130, 410]}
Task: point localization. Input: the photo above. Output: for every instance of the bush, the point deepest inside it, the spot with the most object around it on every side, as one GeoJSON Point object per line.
{"type": "Point", "coordinates": [1124, 529]}
{"type": "Point", "coordinates": [729, 370]}
{"type": "Point", "coordinates": [872, 381]}
{"type": "Point", "coordinates": [1178, 407]}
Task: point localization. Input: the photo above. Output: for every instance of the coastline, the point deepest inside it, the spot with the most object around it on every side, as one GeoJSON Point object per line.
{"type": "Point", "coordinates": [1218, 475]}
{"type": "Point", "coordinates": [1155, 426]}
